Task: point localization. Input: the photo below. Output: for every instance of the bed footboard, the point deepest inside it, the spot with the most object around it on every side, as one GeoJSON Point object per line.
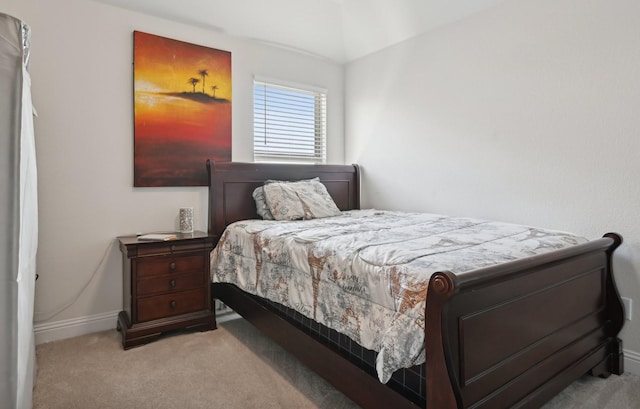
{"type": "Point", "coordinates": [516, 334]}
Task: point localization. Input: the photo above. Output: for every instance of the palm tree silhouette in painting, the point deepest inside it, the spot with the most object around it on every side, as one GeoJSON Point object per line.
{"type": "Point", "coordinates": [203, 74]}
{"type": "Point", "coordinates": [197, 96]}
{"type": "Point", "coordinates": [193, 82]}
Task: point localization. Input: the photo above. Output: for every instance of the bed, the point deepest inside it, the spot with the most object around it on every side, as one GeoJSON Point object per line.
{"type": "Point", "coordinates": [488, 342]}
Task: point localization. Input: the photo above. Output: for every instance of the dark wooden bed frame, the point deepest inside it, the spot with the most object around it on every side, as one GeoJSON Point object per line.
{"type": "Point", "coordinates": [507, 336]}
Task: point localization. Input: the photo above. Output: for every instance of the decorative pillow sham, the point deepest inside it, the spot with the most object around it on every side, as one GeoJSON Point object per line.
{"type": "Point", "coordinates": [261, 204]}
{"type": "Point", "coordinates": [262, 208]}
{"type": "Point", "coordinates": [305, 199]}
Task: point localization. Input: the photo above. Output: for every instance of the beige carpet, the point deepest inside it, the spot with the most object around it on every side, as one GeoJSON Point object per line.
{"type": "Point", "coordinates": [231, 367]}
{"type": "Point", "coordinates": [215, 369]}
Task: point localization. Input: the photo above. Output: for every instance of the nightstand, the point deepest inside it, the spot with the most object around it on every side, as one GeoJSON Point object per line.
{"type": "Point", "coordinates": [166, 286]}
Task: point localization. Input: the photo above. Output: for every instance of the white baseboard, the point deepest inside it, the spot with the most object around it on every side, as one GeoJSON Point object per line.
{"type": "Point", "coordinates": [631, 362]}
{"type": "Point", "coordinates": [228, 316]}
{"type": "Point", "coordinates": [54, 331]}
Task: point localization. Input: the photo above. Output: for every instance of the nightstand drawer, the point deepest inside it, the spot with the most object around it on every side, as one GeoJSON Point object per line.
{"type": "Point", "coordinates": [160, 306]}
{"type": "Point", "coordinates": [170, 265]}
{"type": "Point", "coordinates": [170, 283]}
{"type": "Point", "coordinates": [171, 247]}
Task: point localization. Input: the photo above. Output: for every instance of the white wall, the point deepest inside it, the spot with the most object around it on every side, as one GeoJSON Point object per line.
{"type": "Point", "coordinates": [82, 88]}
{"type": "Point", "coordinates": [525, 113]}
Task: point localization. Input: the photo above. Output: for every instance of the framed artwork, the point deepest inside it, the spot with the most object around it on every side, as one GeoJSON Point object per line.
{"type": "Point", "coordinates": [182, 110]}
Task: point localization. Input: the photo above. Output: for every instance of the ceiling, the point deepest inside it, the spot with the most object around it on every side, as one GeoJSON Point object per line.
{"type": "Point", "coordinates": [338, 30]}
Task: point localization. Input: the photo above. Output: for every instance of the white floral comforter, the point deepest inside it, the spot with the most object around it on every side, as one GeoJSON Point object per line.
{"type": "Point", "coordinates": [365, 273]}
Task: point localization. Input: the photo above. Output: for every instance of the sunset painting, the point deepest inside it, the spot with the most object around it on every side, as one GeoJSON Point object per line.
{"type": "Point", "coordinates": [182, 110]}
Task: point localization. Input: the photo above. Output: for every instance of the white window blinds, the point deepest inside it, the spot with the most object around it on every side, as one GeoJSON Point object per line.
{"type": "Point", "coordinates": [289, 123]}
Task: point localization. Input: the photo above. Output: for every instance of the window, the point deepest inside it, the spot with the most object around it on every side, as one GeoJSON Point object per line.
{"type": "Point", "coordinates": [289, 123]}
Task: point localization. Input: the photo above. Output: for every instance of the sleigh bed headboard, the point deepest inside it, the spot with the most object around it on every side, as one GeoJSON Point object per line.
{"type": "Point", "coordinates": [232, 183]}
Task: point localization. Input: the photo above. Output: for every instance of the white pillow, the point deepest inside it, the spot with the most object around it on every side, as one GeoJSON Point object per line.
{"type": "Point", "coordinates": [305, 199]}
{"type": "Point", "coordinates": [262, 207]}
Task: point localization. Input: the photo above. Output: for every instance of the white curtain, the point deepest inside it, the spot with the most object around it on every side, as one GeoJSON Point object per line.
{"type": "Point", "coordinates": [19, 215]}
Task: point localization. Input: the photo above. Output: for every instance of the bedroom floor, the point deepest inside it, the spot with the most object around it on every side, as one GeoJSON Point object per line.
{"type": "Point", "coordinates": [234, 366]}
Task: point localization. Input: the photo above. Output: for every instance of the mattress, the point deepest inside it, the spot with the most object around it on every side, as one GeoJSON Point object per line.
{"type": "Point", "coordinates": [365, 273]}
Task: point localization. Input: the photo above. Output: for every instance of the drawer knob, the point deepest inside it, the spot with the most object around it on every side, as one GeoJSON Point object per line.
{"type": "Point", "coordinates": [173, 247]}
{"type": "Point", "coordinates": [172, 283]}
{"type": "Point", "coordinates": [172, 266]}
{"type": "Point", "coordinates": [173, 305]}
